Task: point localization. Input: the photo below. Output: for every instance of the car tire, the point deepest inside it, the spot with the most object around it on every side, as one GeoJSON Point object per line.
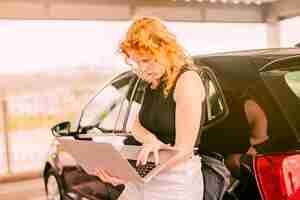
{"type": "Point", "coordinates": [53, 186]}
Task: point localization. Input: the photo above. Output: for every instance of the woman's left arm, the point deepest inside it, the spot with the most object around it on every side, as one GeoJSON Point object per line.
{"type": "Point", "coordinates": [189, 95]}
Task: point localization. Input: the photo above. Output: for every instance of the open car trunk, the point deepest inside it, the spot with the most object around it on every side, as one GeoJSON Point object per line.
{"type": "Point", "coordinates": [283, 83]}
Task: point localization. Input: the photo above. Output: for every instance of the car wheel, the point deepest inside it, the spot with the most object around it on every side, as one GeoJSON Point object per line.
{"type": "Point", "coordinates": [53, 186]}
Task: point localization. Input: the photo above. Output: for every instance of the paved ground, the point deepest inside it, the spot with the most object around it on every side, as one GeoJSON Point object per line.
{"type": "Point", "coordinates": [24, 190]}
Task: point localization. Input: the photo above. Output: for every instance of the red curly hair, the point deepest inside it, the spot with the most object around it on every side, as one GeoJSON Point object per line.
{"type": "Point", "coordinates": [148, 35]}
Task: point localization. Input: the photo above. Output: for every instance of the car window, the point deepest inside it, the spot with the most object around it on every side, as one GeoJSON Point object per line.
{"type": "Point", "coordinates": [125, 109]}
{"type": "Point", "coordinates": [293, 81]}
{"type": "Point", "coordinates": [136, 103]}
{"type": "Point", "coordinates": [215, 103]}
{"type": "Point", "coordinates": [105, 108]}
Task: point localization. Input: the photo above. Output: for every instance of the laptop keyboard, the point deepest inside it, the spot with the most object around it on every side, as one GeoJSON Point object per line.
{"type": "Point", "coordinates": [142, 170]}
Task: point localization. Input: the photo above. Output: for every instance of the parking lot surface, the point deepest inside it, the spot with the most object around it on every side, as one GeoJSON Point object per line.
{"type": "Point", "coordinates": [25, 190]}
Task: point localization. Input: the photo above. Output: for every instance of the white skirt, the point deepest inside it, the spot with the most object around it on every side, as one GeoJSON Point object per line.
{"type": "Point", "coordinates": [184, 181]}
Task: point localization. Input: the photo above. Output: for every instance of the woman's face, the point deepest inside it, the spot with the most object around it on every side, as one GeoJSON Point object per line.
{"type": "Point", "coordinates": [146, 66]}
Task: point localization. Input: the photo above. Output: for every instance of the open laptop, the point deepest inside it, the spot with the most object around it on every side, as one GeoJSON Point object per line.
{"type": "Point", "coordinates": [119, 163]}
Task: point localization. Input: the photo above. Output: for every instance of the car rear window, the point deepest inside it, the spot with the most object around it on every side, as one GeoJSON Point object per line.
{"type": "Point", "coordinates": [293, 81]}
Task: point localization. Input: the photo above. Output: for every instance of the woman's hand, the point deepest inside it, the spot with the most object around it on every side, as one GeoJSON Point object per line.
{"type": "Point", "coordinates": [107, 178]}
{"type": "Point", "coordinates": [154, 146]}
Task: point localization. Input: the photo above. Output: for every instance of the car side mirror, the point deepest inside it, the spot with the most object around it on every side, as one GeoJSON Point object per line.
{"type": "Point", "coordinates": [61, 129]}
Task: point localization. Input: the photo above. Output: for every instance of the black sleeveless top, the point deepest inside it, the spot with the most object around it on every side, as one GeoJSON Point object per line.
{"type": "Point", "coordinates": [157, 113]}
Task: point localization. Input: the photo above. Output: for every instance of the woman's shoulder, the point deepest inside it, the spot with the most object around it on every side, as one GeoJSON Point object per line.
{"type": "Point", "coordinates": [189, 82]}
{"type": "Point", "coordinates": [192, 70]}
{"type": "Point", "coordinates": [190, 78]}
{"type": "Point", "coordinates": [190, 73]}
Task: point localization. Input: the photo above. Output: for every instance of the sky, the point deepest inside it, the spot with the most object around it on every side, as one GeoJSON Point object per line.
{"type": "Point", "coordinates": [39, 45]}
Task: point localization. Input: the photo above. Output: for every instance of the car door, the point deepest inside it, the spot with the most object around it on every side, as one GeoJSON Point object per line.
{"type": "Point", "coordinates": [135, 105]}
{"type": "Point", "coordinates": [130, 110]}
{"type": "Point", "coordinates": [103, 114]}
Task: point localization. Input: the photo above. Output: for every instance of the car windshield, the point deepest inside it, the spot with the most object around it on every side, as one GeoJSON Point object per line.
{"type": "Point", "coordinates": [103, 110]}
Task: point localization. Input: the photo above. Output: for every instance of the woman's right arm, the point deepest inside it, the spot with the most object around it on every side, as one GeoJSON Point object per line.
{"type": "Point", "coordinates": [150, 143]}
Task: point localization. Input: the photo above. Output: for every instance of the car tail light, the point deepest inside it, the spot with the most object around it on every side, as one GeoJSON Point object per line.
{"type": "Point", "coordinates": [278, 176]}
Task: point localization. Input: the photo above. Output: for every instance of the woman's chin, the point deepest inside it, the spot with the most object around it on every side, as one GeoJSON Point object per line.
{"type": "Point", "coordinates": [152, 80]}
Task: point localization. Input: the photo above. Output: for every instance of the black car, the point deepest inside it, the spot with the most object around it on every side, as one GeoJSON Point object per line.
{"type": "Point", "coordinates": [273, 175]}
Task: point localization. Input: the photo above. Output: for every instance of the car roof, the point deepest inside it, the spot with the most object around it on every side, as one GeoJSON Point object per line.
{"type": "Point", "coordinates": [237, 69]}
{"type": "Point", "coordinates": [263, 56]}
{"type": "Point", "coordinates": [270, 53]}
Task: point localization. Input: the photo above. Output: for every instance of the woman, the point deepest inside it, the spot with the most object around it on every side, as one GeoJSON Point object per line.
{"type": "Point", "coordinates": [170, 114]}
{"type": "Point", "coordinates": [257, 126]}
